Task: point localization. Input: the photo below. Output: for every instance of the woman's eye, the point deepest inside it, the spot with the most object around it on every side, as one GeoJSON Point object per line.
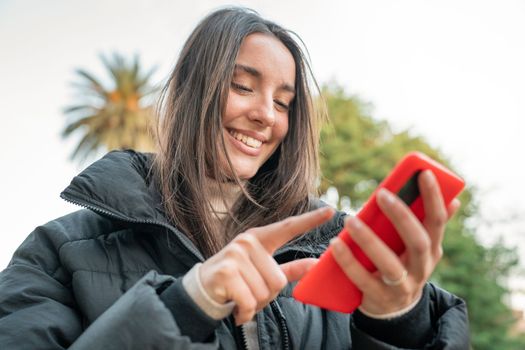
{"type": "Point", "coordinates": [241, 87]}
{"type": "Point", "coordinates": [283, 105]}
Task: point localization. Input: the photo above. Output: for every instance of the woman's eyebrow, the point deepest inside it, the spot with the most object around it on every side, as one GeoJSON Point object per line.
{"type": "Point", "coordinates": [255, 73]}
{"type": "Point", "coordinates": [250, 70]}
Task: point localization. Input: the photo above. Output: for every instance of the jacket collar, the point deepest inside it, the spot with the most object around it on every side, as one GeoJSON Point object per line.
{"type": "Point", "coordinates": [119, 186]}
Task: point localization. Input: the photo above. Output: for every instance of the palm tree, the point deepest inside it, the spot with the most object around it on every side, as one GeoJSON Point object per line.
{"type": "Point", "coordinates": [114, 117]}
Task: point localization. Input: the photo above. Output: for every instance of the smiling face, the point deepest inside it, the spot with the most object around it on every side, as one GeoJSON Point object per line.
{"type": "Point", "coordinates": [255, 119]}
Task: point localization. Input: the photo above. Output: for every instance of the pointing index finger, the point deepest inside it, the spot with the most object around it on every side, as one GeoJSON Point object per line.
{"type": "Point", "coordinates": [275, 235]}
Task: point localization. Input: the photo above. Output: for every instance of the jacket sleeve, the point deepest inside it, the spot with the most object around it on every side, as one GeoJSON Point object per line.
{"type": "Point", "coordinates": [138, 320]}
{"type": "Point", "coordinates": [38, 309]}
{"type": "Point", "coordinates": [448, 316]}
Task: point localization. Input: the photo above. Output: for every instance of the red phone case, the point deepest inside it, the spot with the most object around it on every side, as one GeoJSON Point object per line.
{"type": "Point", "coordinates": [326, 285]}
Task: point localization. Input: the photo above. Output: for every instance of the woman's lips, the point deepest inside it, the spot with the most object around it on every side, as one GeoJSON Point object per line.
{"type": "Point", "coordinates": [245, 138]}
{"type": "Point", "coordinates": [239, 145]}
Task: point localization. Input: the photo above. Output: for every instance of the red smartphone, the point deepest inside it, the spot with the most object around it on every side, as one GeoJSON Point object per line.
{"type": "Point", "coordinates": [326, 285]}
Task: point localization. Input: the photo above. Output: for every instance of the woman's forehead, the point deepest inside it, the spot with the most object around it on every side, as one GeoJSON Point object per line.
{"type": "Point", "coordinates": [263, 55]}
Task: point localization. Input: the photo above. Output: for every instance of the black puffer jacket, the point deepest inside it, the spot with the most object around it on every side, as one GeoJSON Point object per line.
{"type": "Point", "coordinates": [91, 279]}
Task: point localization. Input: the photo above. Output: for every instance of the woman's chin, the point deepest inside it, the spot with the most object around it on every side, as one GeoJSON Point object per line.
{"type": "Point", "coordinates": [244, 171]}
{"type": "Point", "coordinates": [246, 175]}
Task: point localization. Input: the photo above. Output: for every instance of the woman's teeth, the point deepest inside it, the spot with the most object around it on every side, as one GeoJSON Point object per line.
{"type": "Point", "coordinates": [247, 140]}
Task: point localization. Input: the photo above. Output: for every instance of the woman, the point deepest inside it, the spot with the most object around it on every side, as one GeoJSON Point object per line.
{"type": "Point", "coordinates": [199, 246]}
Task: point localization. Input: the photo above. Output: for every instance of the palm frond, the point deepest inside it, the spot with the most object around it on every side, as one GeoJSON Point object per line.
{"type": "Point", "coordinates": [135, 70]}
{"type": "Point", "coordinates": [94, 83]}
{"type": "Point", "coordinates": [144, 80]}
{"type": "Point", "coordinates": [114, 66]}
{"type": "Point", "coordinates": [117, 116]}
{"type": "Point", "coordinates": [85, 147]}
{"type": "Point", "coordinates": [78, 108]}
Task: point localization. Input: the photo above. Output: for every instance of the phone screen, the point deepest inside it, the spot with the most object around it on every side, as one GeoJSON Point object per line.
{"type": "Point", "coordinates": [410, 190]}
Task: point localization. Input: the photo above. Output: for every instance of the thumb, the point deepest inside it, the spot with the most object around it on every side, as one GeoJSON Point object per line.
{"type": "Point", "coordinates": [453, 207]}
{"type": "Point", "coordinates": [296, 269]}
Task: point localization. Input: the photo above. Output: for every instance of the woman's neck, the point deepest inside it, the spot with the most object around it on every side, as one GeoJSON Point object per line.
{"type": "Point", "coordinates": [222, 201]}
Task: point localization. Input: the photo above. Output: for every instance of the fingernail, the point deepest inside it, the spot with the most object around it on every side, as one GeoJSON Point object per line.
{"type": "Point", "coordinates": [430, 178]}
{"type": "Point", "coordinates": [354, 223]}
{"type": "Point", "coordinates": [386, 196]}
{"type": "Point", "coordinates": [236, 318]}
{"type": "Point", "coordinates": [325, 210]}
{"type": "Point", "coordinates": [337, 246]}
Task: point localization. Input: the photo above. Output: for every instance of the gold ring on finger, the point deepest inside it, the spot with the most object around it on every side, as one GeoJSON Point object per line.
{"type": "Point", "coordinates": [396, 282]}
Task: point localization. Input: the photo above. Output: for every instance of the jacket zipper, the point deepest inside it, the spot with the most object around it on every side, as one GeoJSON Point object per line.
{"type": "Point", "coordinates": [244, 341]}
{"type": "Point", "coordinates": [97, 209]}
{"type": "Point", "coordinates": [282, 324]}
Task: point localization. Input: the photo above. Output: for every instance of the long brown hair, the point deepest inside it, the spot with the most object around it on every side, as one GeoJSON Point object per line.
{"type": "Point", "coordinates": [191, 139]}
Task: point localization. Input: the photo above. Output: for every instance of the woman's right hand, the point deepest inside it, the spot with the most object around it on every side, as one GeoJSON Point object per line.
{"type": "Point", "coordinates": [245, 272]}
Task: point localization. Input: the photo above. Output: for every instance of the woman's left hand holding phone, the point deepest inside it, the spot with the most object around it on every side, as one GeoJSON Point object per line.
{"type": "Point", "coordinates": [399, 281]}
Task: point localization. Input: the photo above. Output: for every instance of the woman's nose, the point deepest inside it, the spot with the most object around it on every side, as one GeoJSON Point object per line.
{"type": "Point", "coordinates": [263, 112]}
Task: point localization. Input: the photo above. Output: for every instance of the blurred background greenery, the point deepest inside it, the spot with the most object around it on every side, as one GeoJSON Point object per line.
{"type": "Point", "coordinates": [357, 149]}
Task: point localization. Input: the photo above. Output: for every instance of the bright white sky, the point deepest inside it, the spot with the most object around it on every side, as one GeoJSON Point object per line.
{"type": "Point", "coordinates": [450, 70]}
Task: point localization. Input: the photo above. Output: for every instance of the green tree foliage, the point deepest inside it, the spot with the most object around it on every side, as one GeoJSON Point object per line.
{"type": "Point", "coordinates": [358, 152]}
{"type": "Point", "coordinates": [115, 116]}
